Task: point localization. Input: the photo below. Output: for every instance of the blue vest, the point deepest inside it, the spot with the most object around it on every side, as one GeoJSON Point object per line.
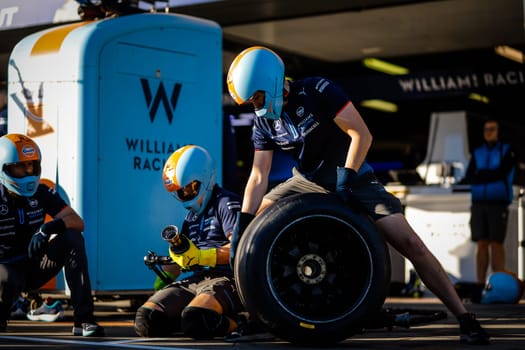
{"type": "Point", "coordinates": [490, 159]}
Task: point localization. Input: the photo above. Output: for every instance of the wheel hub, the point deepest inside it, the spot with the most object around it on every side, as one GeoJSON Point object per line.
{"type": "Point", "coordinates": [311, 269]}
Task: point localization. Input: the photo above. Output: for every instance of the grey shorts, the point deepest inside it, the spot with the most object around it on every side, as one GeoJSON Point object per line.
{"type": "Point", "coordinates": [488, 221]}
{"type": "Point", "coordinates": [368, 192]}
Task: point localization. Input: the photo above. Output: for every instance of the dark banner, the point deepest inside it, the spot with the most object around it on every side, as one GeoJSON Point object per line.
{"type": "Point", "coordinates": [435, 84]}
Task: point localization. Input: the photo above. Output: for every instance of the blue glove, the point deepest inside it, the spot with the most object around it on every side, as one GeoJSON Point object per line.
{"type": "Point", "coordinates": [345, 178]}
{"type": "Point", "coordinates": [243, 220]}
{"type": "Point", "coordinates": [38, 244]}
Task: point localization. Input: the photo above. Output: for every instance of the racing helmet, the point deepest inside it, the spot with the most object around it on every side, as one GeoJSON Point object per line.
{"type": "Point", "coordinates": [189, 175]}
{"type": "Point", "coordinates": [14, 149]}
{"type": "Point", "coordinates": [258, 69]}
{"type": "Point", "coordinates": [502, 287]}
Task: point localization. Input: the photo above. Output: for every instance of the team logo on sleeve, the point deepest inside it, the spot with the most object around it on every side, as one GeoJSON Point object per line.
{"type": "Point", "coordinates": [300, 111]}
{"type": "Point", "coordinates": [321, 85]}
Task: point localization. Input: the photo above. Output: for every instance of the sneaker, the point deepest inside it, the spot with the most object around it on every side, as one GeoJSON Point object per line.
{"type": "Point", "coordinates": [19, 309]}
{"type": "Point", "coordinates": [247, 333]}
{"type": "Point", "coordinates": [471, 331]}
{"type": "Point", "coordinates": [50, 311]}
{"type": "Point", "coordinates": [88, 330]}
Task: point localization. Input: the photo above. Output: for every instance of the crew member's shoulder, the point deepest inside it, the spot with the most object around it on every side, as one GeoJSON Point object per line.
{"type": "Point", "coordinates": [44, 188]}
{"type": "Point", "coordinates": [225, 194]}
{"type": "Point", "coordinates": [315, 83]}
{"type": "Point", "coordinates": [229, 199]}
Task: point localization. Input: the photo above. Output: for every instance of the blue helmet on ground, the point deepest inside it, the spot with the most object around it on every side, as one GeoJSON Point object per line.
{"type": "Point", "coordinates": [258, 69]}
{"type": "Point", "coordinates": [502, 288]}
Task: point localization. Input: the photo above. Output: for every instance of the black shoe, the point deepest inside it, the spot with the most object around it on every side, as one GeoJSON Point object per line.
{"type": "Point", "coordinates": [248, 332]}
{"type": "Point", "coordinates": [471, 331]}
{"type": "Point", "coordinates": [3, 326]}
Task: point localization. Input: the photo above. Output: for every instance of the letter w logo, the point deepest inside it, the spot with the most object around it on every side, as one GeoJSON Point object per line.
{"type": "Point", "coordinates": [153, 102]}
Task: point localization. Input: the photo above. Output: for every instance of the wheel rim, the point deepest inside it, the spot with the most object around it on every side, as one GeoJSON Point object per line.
{"type": "Point", "coordinates": [319, 268]}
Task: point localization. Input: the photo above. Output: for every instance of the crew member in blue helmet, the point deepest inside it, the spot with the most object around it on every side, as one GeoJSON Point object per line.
{"type": "Point", "coordinates": [32, 250]}
{"type": "Point", "coordinates": [203, 302]}
{"type": "Point", "coordinates": [315, 120]}
{"type": "Point", "coordinates": [491, 174]}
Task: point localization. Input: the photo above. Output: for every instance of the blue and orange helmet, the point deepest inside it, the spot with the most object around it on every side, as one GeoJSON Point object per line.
{"type": "Point", "coordinates": [189, 175]}
{"type": "Point", "coordinates": [258, 69]}
{"type": "Point", "coordinates": [16, 149]}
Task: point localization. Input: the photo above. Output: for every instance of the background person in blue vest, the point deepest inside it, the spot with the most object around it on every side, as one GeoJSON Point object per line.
{"type": "Point", "coordinates": [491, 173]}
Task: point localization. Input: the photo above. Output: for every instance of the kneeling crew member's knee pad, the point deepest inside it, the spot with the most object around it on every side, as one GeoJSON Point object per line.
{"type": "Point", "coordinates": [201, 323]}
{"type": "Point", "coordinates": [151, 323]}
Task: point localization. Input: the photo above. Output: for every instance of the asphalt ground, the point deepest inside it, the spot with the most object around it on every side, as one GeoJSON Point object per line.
{"type": "Point", "coordinates": [505, 323]}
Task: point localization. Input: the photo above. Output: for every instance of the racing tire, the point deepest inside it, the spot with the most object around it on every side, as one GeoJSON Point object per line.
{"type": "Point", "coordinates": [312, 270]}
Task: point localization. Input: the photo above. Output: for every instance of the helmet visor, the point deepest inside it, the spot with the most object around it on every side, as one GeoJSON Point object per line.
{"type": "Point", "coordinates": [20, 170]}
{"type": "Point", "coordinates": [188, 192]}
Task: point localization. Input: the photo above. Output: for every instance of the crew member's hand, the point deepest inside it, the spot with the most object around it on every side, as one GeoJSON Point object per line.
{"type": "Point", "coordinates": [194, 256]}
{"type": "Point", "coordinates": [243, 220]}
{"type": "Point", "coordinates": [38, 244]}
{"type": "Point", "coordinates": [345, 178]}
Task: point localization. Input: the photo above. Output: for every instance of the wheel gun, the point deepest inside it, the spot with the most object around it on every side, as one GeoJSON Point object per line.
{"type": "Point", "coordinates": [178, 244]}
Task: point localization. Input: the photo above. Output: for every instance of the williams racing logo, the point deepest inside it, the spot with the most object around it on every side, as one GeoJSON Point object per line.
{"type": "Point", "coordinates": [161, 99]}
{"type": "Point", "coordinates": [165, 96]}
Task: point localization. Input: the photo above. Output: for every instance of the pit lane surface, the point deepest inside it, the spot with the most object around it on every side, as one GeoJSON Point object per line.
{"type": "Point", "coordinates": [505, 323]}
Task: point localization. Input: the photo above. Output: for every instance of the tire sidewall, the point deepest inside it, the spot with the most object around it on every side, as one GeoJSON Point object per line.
{"type": "Point", "coordinates": [254, 258]}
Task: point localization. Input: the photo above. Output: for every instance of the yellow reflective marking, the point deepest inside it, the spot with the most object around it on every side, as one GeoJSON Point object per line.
{"type": "Point", "coordinates": [307, 325]}
{"type": "Point", "coordinates": [52, 41]}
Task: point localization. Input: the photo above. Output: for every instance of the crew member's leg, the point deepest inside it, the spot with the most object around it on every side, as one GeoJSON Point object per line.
{"type": "Point", "coordinates": [497, 217]}
{"type": "Point", "coordinates": [214, 311]}
{"type": "Point", "coordinates": [68, 250]}
{"type": "Point", "coordinates": [482, 259]}
{"type": "Point", "coordinates": [294, 185]}
{"type": "Point", "coordinates": [12, 280]}
{"type": "Point", "coordinates": [497, 253]}
{"type": "Point", "coordinates": [479, 232]}
{"type": "Point", "coordinates": [160, 315]}
{"type": "Point", "coordinates": [402, 237]}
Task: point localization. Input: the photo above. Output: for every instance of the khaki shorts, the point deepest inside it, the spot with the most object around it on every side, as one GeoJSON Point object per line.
{"type": "Point", "coordinates": [368, 192]}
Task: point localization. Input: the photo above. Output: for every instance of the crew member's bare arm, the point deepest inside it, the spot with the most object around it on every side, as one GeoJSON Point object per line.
{"type": "Point", "coordinates": [71, 219]}
{"type": "Point", "coordinates": [257, 184]}
{"type": "Point", "coordinates": [351, 122]}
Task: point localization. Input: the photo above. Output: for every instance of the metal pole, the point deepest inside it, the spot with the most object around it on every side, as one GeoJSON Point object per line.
{"type": "Point", "coordinates": [521, 242]}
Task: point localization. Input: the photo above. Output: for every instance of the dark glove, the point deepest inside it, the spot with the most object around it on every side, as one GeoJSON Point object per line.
{"type": "Point", "coordinates": [345, 178]}
{"type": "Point", "coordinates": [38, 244]}
{"type": "Point", "coordinates": [243, 220]}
